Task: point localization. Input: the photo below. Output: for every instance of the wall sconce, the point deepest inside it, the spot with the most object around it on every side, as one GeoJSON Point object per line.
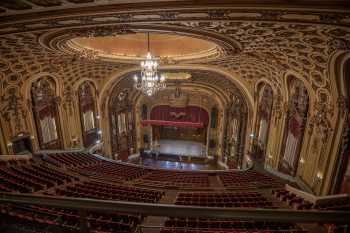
{"type": "Point", "coordinates": [98, 141]}
{"type": "Point", "coordinates": [97, 116]}
{"type": "Point", "coordinates": [32, 137]}
{"type": "Point", "coordinates": [302, 161]}
{"type": "Point", "coordinates": [319, 176]}
{"type": "Point", "coordinates": [9, 144]}
{"type": "Point", "coordinates": [270, 156]}
{"type": "Point", "coordinates": [99, 132]}
{"type": "Point", "coordinates": [251, 135]}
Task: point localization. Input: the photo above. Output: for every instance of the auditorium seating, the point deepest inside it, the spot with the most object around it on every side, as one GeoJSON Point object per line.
{"type": "Point", "coordinates": [87, 176]}
{"type": "Point", "coordinates": [44, 219]}
{"type": "Point", "coordinates": [202, 225]}
{"type": "Point", "coordinates": [298, 202]}
{"type": "Point", "coordinates": [112, 192]}
{"type": "Point", "coordinates": [248, 179]}
{"type": "Point", "coordinates": [223, 199]}
{"type": "Point", "coordinates": [26, 176]}
{"type": "Point", "coordinates": [166, 178]}
{"type": "Point", "coordinates": [291, 199]}
{"type": "Point", "coordinates": [111, 171]}
{"type": "Point", "coordinates": [70, 159]}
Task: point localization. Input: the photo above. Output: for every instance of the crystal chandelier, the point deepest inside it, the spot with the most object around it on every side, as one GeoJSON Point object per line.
{"type": "Point", "coordinates": [149, 82]}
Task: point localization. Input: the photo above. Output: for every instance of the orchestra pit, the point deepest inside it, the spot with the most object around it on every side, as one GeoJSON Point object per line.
{"type": "Point", "coordinates": [174, 116]}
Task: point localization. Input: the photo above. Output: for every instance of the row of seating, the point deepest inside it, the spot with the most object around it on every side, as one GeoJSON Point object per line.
{"type": "Point", "coordinates": [14, 180]}
{"type": "Point", "coordinates": [112, 192]}
{"type": "Point", "coordinates": [195, 230]}
{"type": "Point", "coordinates": [93, 167]}
{"type": "Point", "coordinates": [70, 159]}
{"type": "Point", "coordinates": [214, 225]}
{"type": "Point", "coordinates": [111, 171]}
{"type": "Point", "coordinates": [50, 219]}
{"type": "Point", "coordinates": [223, 199]}
{"type": "Point", "coordinates": [248, 179]}
{"type": "Point", "coordinates": [297, 202]}
{"type": "Point", "coordinates": [28, 176]}
{"type": "Point", "coordinates": [164, 179]}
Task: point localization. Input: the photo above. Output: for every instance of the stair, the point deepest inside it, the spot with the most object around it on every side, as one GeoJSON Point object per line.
{"type": "Point", "coordinates": [215, 182]}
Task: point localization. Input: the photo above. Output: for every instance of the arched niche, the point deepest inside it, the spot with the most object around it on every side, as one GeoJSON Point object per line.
{"type": "Point", "coordinates": [264, 113]}
{"type": "Point", "coordinates": [235, 132]}
{"type": "Point", "coordinates": [342, 183]}
{"type": "Point", "coordinates": [88, 113]}
{"type": "Point", "coordinates": [45, 112]}
{"type": "Point", "coordinates": [122, 120]}
{"type": "Point", "coordinates": [297, 114]}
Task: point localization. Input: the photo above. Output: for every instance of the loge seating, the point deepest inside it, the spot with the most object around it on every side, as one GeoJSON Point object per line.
{"type": "Point", "coordinates": [247, 180]}
{"type": "Point", "coordinates": [202, 225]}
{"type": "Point", "coordinates": [299, 203]}
{"type": "Point", "coordinates": [223, 199]}
{"type": "Point", "coordinates": [343, 204]}
{"type": "Point", "coordinates": [164, 179]}
{"type": "Point", "coordinates": [111, 192]}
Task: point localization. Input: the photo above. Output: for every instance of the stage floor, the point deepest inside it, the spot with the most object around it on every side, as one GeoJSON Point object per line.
{"type": "Point", "coordinates": [154, 163]}
{"type": "Point", "coordinates": [179, 147]}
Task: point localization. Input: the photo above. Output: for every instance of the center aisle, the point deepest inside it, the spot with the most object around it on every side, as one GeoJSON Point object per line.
{"type": "Point", "coordinates": [152, 224]}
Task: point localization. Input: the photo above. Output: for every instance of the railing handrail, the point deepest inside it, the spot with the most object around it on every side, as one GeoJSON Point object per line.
{"type": "Point", "coordinates": [151, 209]}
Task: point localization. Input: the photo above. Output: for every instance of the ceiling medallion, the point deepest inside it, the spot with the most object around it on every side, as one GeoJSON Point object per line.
{"type": "Point", "coordinates": [149, 82]}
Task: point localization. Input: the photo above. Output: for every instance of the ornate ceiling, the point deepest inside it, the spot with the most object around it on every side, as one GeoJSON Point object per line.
{"type": "Point", "coordinates": [133, 47]}
{"type": "Point", "coordinates": [256, 43]}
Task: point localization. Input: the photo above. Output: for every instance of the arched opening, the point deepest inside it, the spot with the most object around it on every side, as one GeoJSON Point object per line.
{"type": "Point", "coordinates": [235, 132]}
{"type": "Point", "coordinates": [298, 106]}
{"type": "Point", "coordinates": [343, 184]}
{"type": "Point", "coordinates": [46, 114]}
{"type": "Point", "coordinates": [264, 112]}
{"type": "Point", "coordinates": [87, 107]}
{"type": "Point", "coordinates": [122, 121]}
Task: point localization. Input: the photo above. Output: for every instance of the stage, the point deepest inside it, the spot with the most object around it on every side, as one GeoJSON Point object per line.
{"type": "Point", "coordinates": [180, 147]}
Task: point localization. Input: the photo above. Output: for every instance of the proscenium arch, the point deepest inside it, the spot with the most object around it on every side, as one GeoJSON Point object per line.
{"type": "Point", "coordinates": [116, 77]}
{"type": "Point", "coordinates": [206, 90]}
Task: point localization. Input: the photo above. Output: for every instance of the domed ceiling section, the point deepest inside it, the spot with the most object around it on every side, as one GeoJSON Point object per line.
{"type": "Point", "coordinates": [133, 47]}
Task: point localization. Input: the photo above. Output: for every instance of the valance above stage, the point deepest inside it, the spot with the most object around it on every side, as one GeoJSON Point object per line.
{"type": "Point", "coordinates": [189, 117]}
{"type": "Point", "coordinates": [173, 123]}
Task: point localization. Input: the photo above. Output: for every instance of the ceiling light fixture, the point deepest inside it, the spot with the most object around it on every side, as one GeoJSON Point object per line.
{"type": "Point", "coordinates": [149, 82]}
